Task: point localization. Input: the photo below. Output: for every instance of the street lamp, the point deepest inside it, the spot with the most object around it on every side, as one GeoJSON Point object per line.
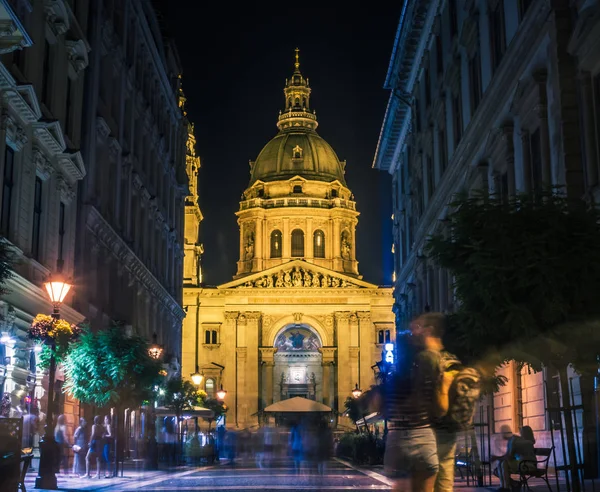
{"type": "Point", "coordinates": [57, 291]}
{"type": "Point", "coordinates": [356, 392]}
{"type": "Point", "coordinates": [221, 394]}
{"type": "Point", "coordinates": [197, 377]}
{"type": "Point", "coordinates": [155, 350]}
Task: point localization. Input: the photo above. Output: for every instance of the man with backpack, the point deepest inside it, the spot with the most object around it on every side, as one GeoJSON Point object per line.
{"type": "Point", "coordinates": [456, 392]}
{"type": "Point", "coordinates": [428, 402]}
{"type": "Point", "coordinates": [412, 403]}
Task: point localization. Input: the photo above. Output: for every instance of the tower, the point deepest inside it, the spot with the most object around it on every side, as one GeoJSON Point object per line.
{"type": "Point", "coordinates": [193, 249]}
{"type": "Point", "coordinates": [297, 204]}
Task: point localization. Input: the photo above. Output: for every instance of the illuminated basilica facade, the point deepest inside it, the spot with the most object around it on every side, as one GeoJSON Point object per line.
{"type": "Point", "coordinates": [298, 319]}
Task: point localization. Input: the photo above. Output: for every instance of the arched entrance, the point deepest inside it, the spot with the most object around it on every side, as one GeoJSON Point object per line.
{"type": "Point", "coordinates": [298, 363]}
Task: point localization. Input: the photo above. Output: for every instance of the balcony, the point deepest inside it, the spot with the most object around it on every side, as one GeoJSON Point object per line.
{"type": "Point", "coordinates": [297, 202]}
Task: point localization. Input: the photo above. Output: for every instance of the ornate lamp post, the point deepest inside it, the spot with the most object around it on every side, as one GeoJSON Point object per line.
{"type": "Point", "coordinates": [221, 394]}
{"type": "Point", "coordinates": [356, 392]}
{"type": "Point", "coordinates": [57, 291]}
{"type": "Point", "coordinates": [197, 377]}
{"type": "Point", "coordinates": [155, 350]}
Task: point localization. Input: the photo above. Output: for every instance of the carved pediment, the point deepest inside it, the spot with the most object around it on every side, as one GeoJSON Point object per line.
{"type": "Point", "coordinates": [298, 274]}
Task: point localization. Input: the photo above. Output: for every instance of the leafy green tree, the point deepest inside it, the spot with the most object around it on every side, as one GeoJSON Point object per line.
{"type": "Point", "coordinates": [180, 395]}
{"type": "Point", "coordinates": [110, 369]}
{"type": "Point", "coordinates": [526, 276]}
{"type": "Point", "coordinates": [217, 406]}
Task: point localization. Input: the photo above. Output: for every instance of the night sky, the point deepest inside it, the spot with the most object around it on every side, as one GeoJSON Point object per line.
{"type": "Point", "coordinates": [235, 61]}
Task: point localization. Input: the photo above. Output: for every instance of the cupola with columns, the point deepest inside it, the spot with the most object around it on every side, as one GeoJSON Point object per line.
{"type": "Point", "coordinates": [297, 205]}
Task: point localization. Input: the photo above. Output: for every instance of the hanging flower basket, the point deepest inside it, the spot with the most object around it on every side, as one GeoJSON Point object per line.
{"type": "Point", "coordinates": [45, 328]}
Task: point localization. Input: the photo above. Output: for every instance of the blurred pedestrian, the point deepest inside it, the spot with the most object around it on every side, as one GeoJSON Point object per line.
{"type": "Point", "coordinates": [95, 447]}
{"type": "Point", "coordinates": [60, 436]}
{"type": "Point", "coordinates": [325, 447]}
{"type": "Point", "coordinates": [80, 448]}
{"type": "Point", "coordinates": [107, 444]}
{"type": "Point", "coordinates": [296, 446]}
{"type": "Point", "coordinates": [411, 455]}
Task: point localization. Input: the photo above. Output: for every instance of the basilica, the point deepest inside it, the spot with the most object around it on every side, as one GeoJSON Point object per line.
{"type": "Point", "coordinates": [297, 320]}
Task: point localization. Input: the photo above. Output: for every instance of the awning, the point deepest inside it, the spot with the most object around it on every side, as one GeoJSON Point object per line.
{"type": "Point", "coordinates": [369, 419]}
{"type": "Point", "coordinates": [195, 412]}
{"type": "Point", "coordinates": [297, 405]}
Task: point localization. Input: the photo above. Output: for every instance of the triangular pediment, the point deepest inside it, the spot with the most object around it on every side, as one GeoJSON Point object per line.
{"type": "Point", "coordinates": [297, 274]}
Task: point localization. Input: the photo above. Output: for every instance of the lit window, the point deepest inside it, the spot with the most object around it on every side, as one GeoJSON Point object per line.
{"type": "Point", "coordinates": [319, 244]}
{"type": "Point", "coordinates": [209, 387]}
{"type": "Point", "coordinates": [276, 244]}
{"type": "Point", "coordinates": [297, 243]}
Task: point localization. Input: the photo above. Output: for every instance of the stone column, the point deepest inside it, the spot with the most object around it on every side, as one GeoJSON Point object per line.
{"type": "Point", "coordinates": [509, 157]}
{"type": "Point", "coordinates": [258, 246]}
{"type": "Point", "coordinates": [251, 389]}
{"type": "Point", "coordinates": [286, 240]}
{"type": "Point", "coordinates": [309, 251]}
{"type": "Point", "coordinates": [328, 362]}
{"type": "Point", "coordinates": [241, 407]}
{"type": "Point", "coordinates": [228, 338]}
{"type": "Point", "coordinates": [354, 367]}
{"type": "Point", "coordinates": [336, 243]}
{"type": "Point", "coordinates": [542, 113]}
{"type": "Point", "coordinates": [268, 364]}
{"type": "Point", "coordinates": [344, 376]}
{"type": "Point", "coordinates": [366, 344]}
{"type": "Point", "coordinates": [591, 163]}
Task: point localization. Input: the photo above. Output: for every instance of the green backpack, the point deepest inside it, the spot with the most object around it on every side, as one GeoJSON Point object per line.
{"type": "Point", "coordinates": [463, 393]}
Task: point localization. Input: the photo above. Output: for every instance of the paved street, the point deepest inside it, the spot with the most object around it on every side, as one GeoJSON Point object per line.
{"type": "Point", "coordinates": [279, 477]}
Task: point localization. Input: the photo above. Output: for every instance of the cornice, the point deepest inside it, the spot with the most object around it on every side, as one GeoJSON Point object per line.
{"type": "Point", "coordinates": [115, 244]}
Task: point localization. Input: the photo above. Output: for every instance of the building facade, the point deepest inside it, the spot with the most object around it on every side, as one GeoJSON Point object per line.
{"type": "Point", "coordinates": [297, 320]}
{"type": "Point", "coordinates": [44, 55]}
{"type": "Point", "coordinates": [496, 95]}
{"type": "Point", "coordinates": [129, 258]}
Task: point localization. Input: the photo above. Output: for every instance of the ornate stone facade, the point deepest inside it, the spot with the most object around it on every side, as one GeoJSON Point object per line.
{"type": "Point", "coordinates": [41, 99]}
{"type": "Point", "coordinates": [297, 320]}
{"type": "Point", "coordinates": [498, 95]}
{"type": "Point", "coordinates": [131, 220]}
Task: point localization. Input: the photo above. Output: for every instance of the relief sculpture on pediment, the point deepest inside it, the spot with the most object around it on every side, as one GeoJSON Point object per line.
{"type": "Point", "coordinates": [298, 277]}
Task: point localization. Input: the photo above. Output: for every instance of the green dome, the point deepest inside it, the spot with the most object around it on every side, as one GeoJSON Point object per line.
{"type": "Point", "coordinates": [299, 152]}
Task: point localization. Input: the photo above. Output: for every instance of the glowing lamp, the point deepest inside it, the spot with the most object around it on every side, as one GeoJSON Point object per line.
{"type": "Point", "coordinates": [356, 392]}
{"type": "Point", "coordinates": [6, 339]}
{"type": "Point", "coordinates": [221, 394]}
{"type": "Point", "coordinates": [155, 350]}
{"type": "Point", "coordinates": [197, 377]}
{"type": "Point", "coordinates": [57, 290]}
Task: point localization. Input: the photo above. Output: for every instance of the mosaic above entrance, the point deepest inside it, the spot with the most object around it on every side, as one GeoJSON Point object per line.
{"type": "Point", "coordinates": [299, 277]}
{"type": "Point", "coordinates": [297, 339]}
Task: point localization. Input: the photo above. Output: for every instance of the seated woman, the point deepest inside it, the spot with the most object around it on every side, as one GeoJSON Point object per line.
{"type": "Point", "coordinates": [520, 448]}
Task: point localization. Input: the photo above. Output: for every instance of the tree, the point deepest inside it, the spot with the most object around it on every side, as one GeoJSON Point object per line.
{"type": "Point", "coordinates": [180, 395]}
{"type": "Point", "coordinates": [217, 406]}
{"type": "Point", "coordinates": [111, 369]}
{"type": "Point", "coordinates": [526, 276]}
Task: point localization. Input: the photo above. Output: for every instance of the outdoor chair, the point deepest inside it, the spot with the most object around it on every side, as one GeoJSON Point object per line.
{"type": "Point", "coordinates": [529, 469]}
{"type": "Point", "coordinates": [25, 464]}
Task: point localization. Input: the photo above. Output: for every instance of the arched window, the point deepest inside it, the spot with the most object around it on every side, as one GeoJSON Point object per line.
{"type": "Point", "coordinates": [209, 387]}
{"type": "Point", "coordinates": [334, 193]}
{"type": "Point", "coordinates": [297, 243]}
{"type": "Point", "coordinates": [276, 244]}
{"type": "Point", "coordinates": [297, 102]}
{"type": "Point", "coordinates": [319, 244]}
{"type": "Point", "coordinates": [297, 189]}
